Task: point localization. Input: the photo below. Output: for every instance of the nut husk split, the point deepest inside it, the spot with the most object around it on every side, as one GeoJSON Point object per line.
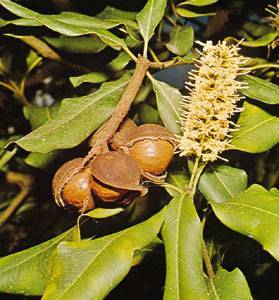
{"type": "Point", "coordinates": [117, 171]}
{"type": "Point", "coordinates": [71, 186]}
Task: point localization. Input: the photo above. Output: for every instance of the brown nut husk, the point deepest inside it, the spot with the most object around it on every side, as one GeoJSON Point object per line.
{"type": "Point", "coordinates": [152, 146]}
{"type": "Point", "coordinates": [123, 134]}
{"type": "Point", "coordinates": [115, 171]}
{"type": "Point", "coordinates": [105, 192]}
{"type": "Point", "coordinates": [71, 186]}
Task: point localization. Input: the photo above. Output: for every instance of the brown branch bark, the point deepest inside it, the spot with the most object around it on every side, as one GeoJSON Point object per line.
{"type": "Point", "coordinates": [47, 52]}
{"type": "Point", "coordinates": [107, 130]}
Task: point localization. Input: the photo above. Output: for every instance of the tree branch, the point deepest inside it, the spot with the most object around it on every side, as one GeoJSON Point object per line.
{"type": "Point", "coordinates": [107, 130]}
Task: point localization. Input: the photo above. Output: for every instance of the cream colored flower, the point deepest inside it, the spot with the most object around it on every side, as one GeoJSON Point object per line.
{"type": "Point", "coordinates": [213, 95]}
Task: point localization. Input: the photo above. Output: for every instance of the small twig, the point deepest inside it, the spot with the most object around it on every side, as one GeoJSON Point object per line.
{"type": "Point", "coordinates": [154, 56]}
{"type": "Point", "coordinates": [25, 183]}
{"type": "Point", "coordinates": [207, 262]}
{"type": "Point", "coordinates": [106, 131]}
{"type": "Point", "coordinates": [166, 64]}
{"type": "Point", "coordinates": [47, 52]}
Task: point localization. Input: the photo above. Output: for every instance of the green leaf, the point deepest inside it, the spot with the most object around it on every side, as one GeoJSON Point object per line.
{"type": "Point", "coordinates": [94, 77]}
{"type": "Point", "coordinates": [198, 2]}
{"type": "Point", "coordinates": [91, 44]}
{"type": "Point", "coordinates": [147, 114]}
{"type": "Point", "coordinates": [27, 272]}
{"type": "Point", "coordinates": [181, 40]}
{"type": "Point", "coordinates": [178, 181]}
{"type": "Point", "coordinates": [37, 116]}
{"type": "Point", "coordinates": [229, 285]}
{"type": "Point", "coordinates": [221, 183]}
{"type": "Point", "coordinates": [256, 30]}
{"type": "Point", "coordinates": [139, 255]}
{"type": "Point", "coordinates": [258, 132]}
{"type": "Point", "coordinates": [182, 237]}
{"type": "Point", "coordinates": [64, 18]}
{"type": "Point", "coordinates": [260, 89]}
{"type": "Point", "coordinates": [262, 41]}
{"type": "Point", "coordinates": [120, 62]}
{"type": "Point", "coordinates": [91, 269]}
{"type": "Point", "coordinates": [40, 160]}
{"type": "Point", "coordinates": [113, 13]}
{"type": "Point", "coordinates": [168, 102]}
{"type": "Point", "coordinates": [32, 60]}
{"type": "Point", "coordinates": [275, 191]}
{"type": "Point", "coordinates": [20, 22]}
{"type": "Point", "coordinates": [188, 13]}
{"type": "Point", "coordinates": [18, 10]}
{"type": "Point", "coordinates": [73, 30]}
{"type": "Point", "coordinates": [117, 17]}
{"type": "Point", "coordinates": [100, 213]}
{"type": "Point", "coordinates": [149, 17]}
{"type": "Point", "coordinates": [76, 119]}
{"type": "Point", "coordinates": [70, 24]}
{"type": "Point", "coordinates": [254, 213]}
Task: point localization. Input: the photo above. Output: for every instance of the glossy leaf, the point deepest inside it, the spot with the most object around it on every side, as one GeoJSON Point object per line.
{"type": "Point", "coordinates": [178, 181]}
{"type": "Point", "coordinates": [189, 13]}
{"type": "Point", "coordinates": [261, 41]}
{"type": "Point", "coordinates": [120, 62]}
{"type": "Point", "coordinates": [148, 114]}
{"type": "Point", "coordinates": [18, 10]}
{"type": "Point", "coordinates": [229, 285]}
{"type": "Point", "coordinates": [221, 183]}
{"type": "Point", "coordinates": [76, 119]}
{"type": "Point", "coordinates": [91, 44]}
{"type": "Point", "coordinates": [113, 13]}
{"type": "Point", "coordinates": [198, 2]}
{"type": "Point", "coordinates": [255, 29]}
{"type": "Point", "coordinates": [20, 22]}
{"type": "Point", "coordinates": [94, 77]}
{"type": "Point", "coordinates": [118, 16]}
{"type": "Point", "coordinates": [37, 116]}
{"type": "Point", "coordinates": [64, 18]}
{"type": "Point", "coordinates": [258, 131]}
{"type": "Point", "coordinates": [254, 213]}
{"type": "Point", "coordinates": [182, 237]}
{"type": "Point", "coordinates": [150, 17]}
{"type": "Point", "coordinates": [139, 255]}
{"type": "Point", "coordinates": [260, 89]}
{"type": "Point", "coordinates": [70, 24]}
{"type": "Point", "coordinates": [168, 103]}
{"type": "Point", "coordinates": [91, 269]}
{"type": "Point", "coordinates": [100, 213]}
{"type": "Point", "coordinates": [181, 40]}
{"type": "Point", "coordinates": [27, 272]}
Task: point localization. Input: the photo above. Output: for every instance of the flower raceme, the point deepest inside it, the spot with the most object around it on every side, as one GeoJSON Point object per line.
{"type": "Point", "coordinates": [212, 100]}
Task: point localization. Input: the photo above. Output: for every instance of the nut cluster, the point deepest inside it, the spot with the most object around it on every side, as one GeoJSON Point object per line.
{"type": "Point", "coordinates": [115, 176]}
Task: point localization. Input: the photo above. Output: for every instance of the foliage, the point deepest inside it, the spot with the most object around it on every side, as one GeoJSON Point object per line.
{"type": "Point", "coordinates": [62, 73]}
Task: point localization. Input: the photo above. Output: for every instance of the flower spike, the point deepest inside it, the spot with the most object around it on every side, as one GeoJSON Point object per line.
{"type": "Point", "coordinates": [211, 102]}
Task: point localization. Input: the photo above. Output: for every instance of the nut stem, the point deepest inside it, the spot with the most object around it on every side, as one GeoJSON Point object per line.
{"type": "Point", "coordinates": [106, 131]}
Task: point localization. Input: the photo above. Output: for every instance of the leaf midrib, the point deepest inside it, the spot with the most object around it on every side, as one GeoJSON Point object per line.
{"type": "Point", "coordinates": [253, 128]}
{"type": "Point", "coordinates": [222, 182]}
{"type": "Point", "coordinates": [249, 206]}
{"type": "Point", "coordinates": [37, 253]}
{"type": "Point", "coordinates": [170, 103]}
{"type": "Point", "coordinates": [118, 236]}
